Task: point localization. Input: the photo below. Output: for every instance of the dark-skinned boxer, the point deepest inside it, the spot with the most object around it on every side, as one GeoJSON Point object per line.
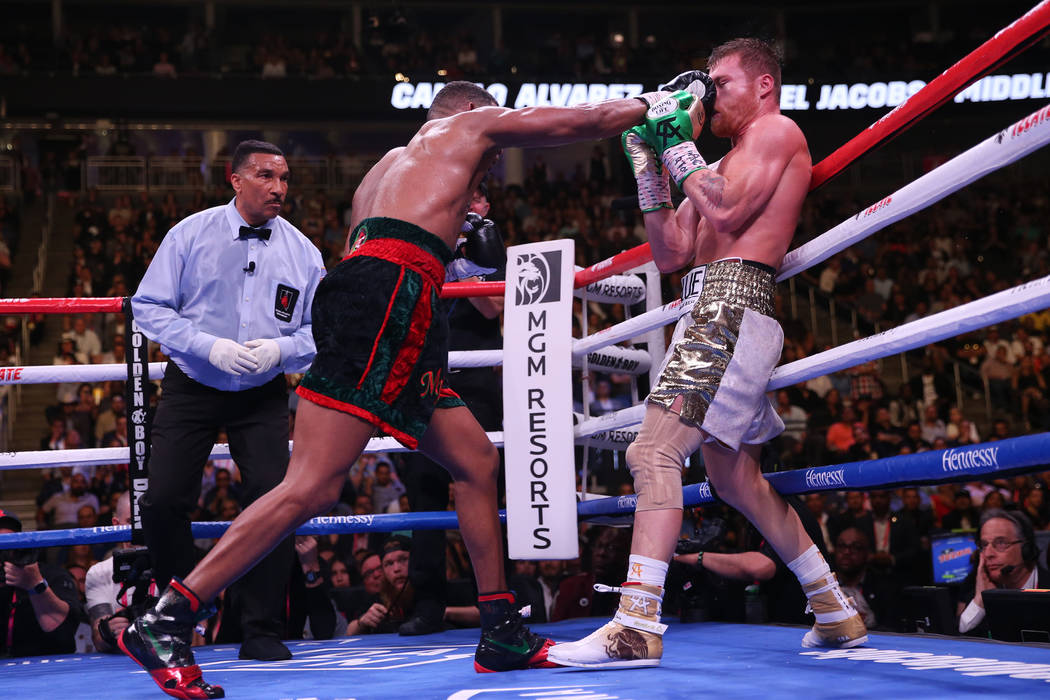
{"type": "Point", "coordinates": [381, 357]}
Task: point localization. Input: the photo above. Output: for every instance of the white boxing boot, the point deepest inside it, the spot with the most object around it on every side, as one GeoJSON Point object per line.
{"type": "Point", "coordinates": [633, 638]}
{"type": "Point", "coordinates": [838, 624]}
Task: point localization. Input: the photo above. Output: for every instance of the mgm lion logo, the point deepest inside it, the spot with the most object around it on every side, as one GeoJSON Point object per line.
{"type": "Point", "coordinates": [539, 278]}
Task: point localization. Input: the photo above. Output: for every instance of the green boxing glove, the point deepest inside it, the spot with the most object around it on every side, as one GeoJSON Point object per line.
{"type": "Point", "coordinates": [670, 127]}
{"type": "Point", "coordinates": [654, 189]}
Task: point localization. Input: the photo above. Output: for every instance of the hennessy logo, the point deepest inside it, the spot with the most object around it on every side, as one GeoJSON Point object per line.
{"type": "Point", "coordinates": [666, 129]}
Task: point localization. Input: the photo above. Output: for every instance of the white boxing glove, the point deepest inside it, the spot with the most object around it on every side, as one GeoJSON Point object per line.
{"type": "Point", "coordinates": [232, 357]}
{"type": "Point", "coordinates": [267, 353]}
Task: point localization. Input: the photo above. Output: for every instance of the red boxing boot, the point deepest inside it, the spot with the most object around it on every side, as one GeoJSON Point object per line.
{"type": "Point", "coordinates": [159, 642]}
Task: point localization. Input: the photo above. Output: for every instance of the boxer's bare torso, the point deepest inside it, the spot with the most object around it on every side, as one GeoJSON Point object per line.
{"type": "Point", "coordinates": [765, 235]}
{"type": "Point", "coordinates": [748, 204]}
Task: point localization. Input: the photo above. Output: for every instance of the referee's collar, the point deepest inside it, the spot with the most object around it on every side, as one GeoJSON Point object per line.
{"type": "Point", "coordinates": [236, 221]}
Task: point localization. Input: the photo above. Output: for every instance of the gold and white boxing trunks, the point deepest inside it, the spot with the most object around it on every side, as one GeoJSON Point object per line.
{"type": "Point", "coordinates": [723, 353]}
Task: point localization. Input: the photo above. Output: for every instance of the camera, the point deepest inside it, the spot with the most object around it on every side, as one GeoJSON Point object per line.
{"type": "Point", "coordinates": [18, 557]}
{"type": "Point", "coordinates": [132, 569]}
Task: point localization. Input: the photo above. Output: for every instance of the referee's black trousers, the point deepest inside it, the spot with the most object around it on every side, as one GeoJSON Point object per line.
{"type": "Point", "coordinates": [185, 428]}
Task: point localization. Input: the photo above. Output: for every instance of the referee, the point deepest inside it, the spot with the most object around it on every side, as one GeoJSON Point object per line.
{"type": "Point", "coordinates": [228, 297]}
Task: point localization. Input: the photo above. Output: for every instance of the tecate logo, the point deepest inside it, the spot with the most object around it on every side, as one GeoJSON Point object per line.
{"type": "Point", "coordinates": [956, 459]}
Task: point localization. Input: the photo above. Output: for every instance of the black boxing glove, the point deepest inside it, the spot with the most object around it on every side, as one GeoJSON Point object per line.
{"type": "Point", "coordinates": [484, 244]}
{"type": "Point", "coordinates": [697, 82]}
{"type": "Point", "coordinates": [481, 251]}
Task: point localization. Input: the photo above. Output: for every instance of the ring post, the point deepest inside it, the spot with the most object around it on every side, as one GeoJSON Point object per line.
{"type": "Point", "coordinates": [537, 391]}
{"type": "Point", "coordinates": [136, 354]}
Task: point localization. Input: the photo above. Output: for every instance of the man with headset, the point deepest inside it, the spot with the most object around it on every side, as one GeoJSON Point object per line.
{"type": "Point", "coordinates": [1008, 559]}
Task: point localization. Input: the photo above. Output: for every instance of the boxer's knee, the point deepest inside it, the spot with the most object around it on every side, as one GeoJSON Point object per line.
{"type": "Point", "coordinates": [657, 470]}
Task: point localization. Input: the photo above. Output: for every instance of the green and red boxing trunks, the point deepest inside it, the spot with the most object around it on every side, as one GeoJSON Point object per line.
{"type": "Point", "coordinates": [381, 332]}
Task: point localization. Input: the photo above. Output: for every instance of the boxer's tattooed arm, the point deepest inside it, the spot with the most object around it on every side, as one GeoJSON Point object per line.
{"type": "Point", "coordinates": [711, 185]}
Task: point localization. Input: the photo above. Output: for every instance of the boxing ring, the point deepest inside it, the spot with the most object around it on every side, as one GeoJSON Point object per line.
{"type": "Point", "coordinates": [732, 659]}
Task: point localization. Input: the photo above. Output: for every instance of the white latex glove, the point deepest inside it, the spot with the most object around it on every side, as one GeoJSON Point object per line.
{"type": "Point", "coordinates": [232, 357]}
{"type": "Point", "coordinates": [267, 353]}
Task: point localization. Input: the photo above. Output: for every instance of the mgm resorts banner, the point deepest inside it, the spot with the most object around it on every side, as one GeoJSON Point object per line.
{"type": "Point", "coordinates": [537, 400]}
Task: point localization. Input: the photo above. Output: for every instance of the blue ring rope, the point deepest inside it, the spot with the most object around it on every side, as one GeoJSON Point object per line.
{"type": "Point", "coordinates": [1025, 453]}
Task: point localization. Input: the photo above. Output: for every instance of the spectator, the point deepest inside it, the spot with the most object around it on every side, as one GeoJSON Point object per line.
{"type": "Point", "coordinates": [395, 596]}
{"type": "Point", "coordinates": [118, 437]}
{"type": "Point", "coordinates": [355, 601]}
{"type": "Point", "coordinates": [932, 426]}
{"type": "Point", "coordinates": [224, 489]}
{"type": "Point", "coordinates": [896, 540]}
{"type": "Point", "coordinates": [607, 557]}
{"type": "Point", "coordinates": [855, 511]}
{"type": "Point", "coordinates": [817, 505]}
{"type": "Point", "coordinates": [963, 515]}
{"type": "Point", "coordinates": [88, 346]}
{"type": "Point", "coordinates": [873, 592]}
{"type": "Point", "coordinates": [993, 342]}
{"type": "Point", "coordinates": [931, 387]}
{"type": "Point", "coordinates": [1029, 388]}
{"type": "Point", "coordinates": [795, 419]}
{"type": "Point", "coordinates": [385, 489]}
{"type": "Point", "coordinates": [106, 422]}
{"type": "Point", "coordinates": [1008, 559]}
{"type": "Point", "coordinates": [338, 574]}
{"type": "Point", "coordinates": [604, 401]}
{"type": "Point", "coordinates": [84, 415]}
{"type": "Point", "coordinates": [862, 448]}
{"type": "Point", "coordinates": [921, 516]}
{"type": "Point", "coordinates": [913, 438]}
{"type": "Point", "coordinates": [840, 434]}
{"type": "Point", "coordinates": [1033, 504]}
{"type": "Point", "coordinates": [358, 541]}
{"type": "Point", "coordinates": [163, 68]}
{"type": "Point", "coordinates": [871, 305]}
{"type": "Point", "coordinates": [959, 430]}
{"type": "Point", "coordinates": [999, 373]}
{"type": "Point", "coordinates": [62, 508]}
{"type": "Point", "coordinates": [108, 602]}
{"type": "Point", "coordinates": [56, 437]}
{"type": "Point", "coordinates": [886, 438]}
{"type": "Point", "coordinates": [39, 601]}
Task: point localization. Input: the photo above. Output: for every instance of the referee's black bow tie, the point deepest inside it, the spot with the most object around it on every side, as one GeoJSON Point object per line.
{"type": "Point", "coordinates": [249, 232]}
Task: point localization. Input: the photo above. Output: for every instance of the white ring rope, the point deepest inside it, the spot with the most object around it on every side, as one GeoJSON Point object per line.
{"type": "Point", "coordinates": [1001, 306]}
{"type": "Point", "coordinates": [94, 456]}
{"type": "Point", "coordinates": [1010, 144]}
{"type": "Point", "coordinates": [615, 289]}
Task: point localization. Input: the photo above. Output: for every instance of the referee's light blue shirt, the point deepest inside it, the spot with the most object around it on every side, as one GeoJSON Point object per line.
{"type": "Point", "coordinates": [196, 291]}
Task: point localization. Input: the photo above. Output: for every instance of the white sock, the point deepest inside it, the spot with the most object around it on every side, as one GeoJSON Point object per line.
{"type": "Point", "coordinates": [651, 572]}
{"type": "Point", "coordinates": [809, 566]}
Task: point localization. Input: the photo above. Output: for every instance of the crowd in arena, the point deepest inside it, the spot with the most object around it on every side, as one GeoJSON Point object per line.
{"type": "Point", "coordinates": [418, 42]}
{"type": "Point", "coordinates": [960, 250]}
